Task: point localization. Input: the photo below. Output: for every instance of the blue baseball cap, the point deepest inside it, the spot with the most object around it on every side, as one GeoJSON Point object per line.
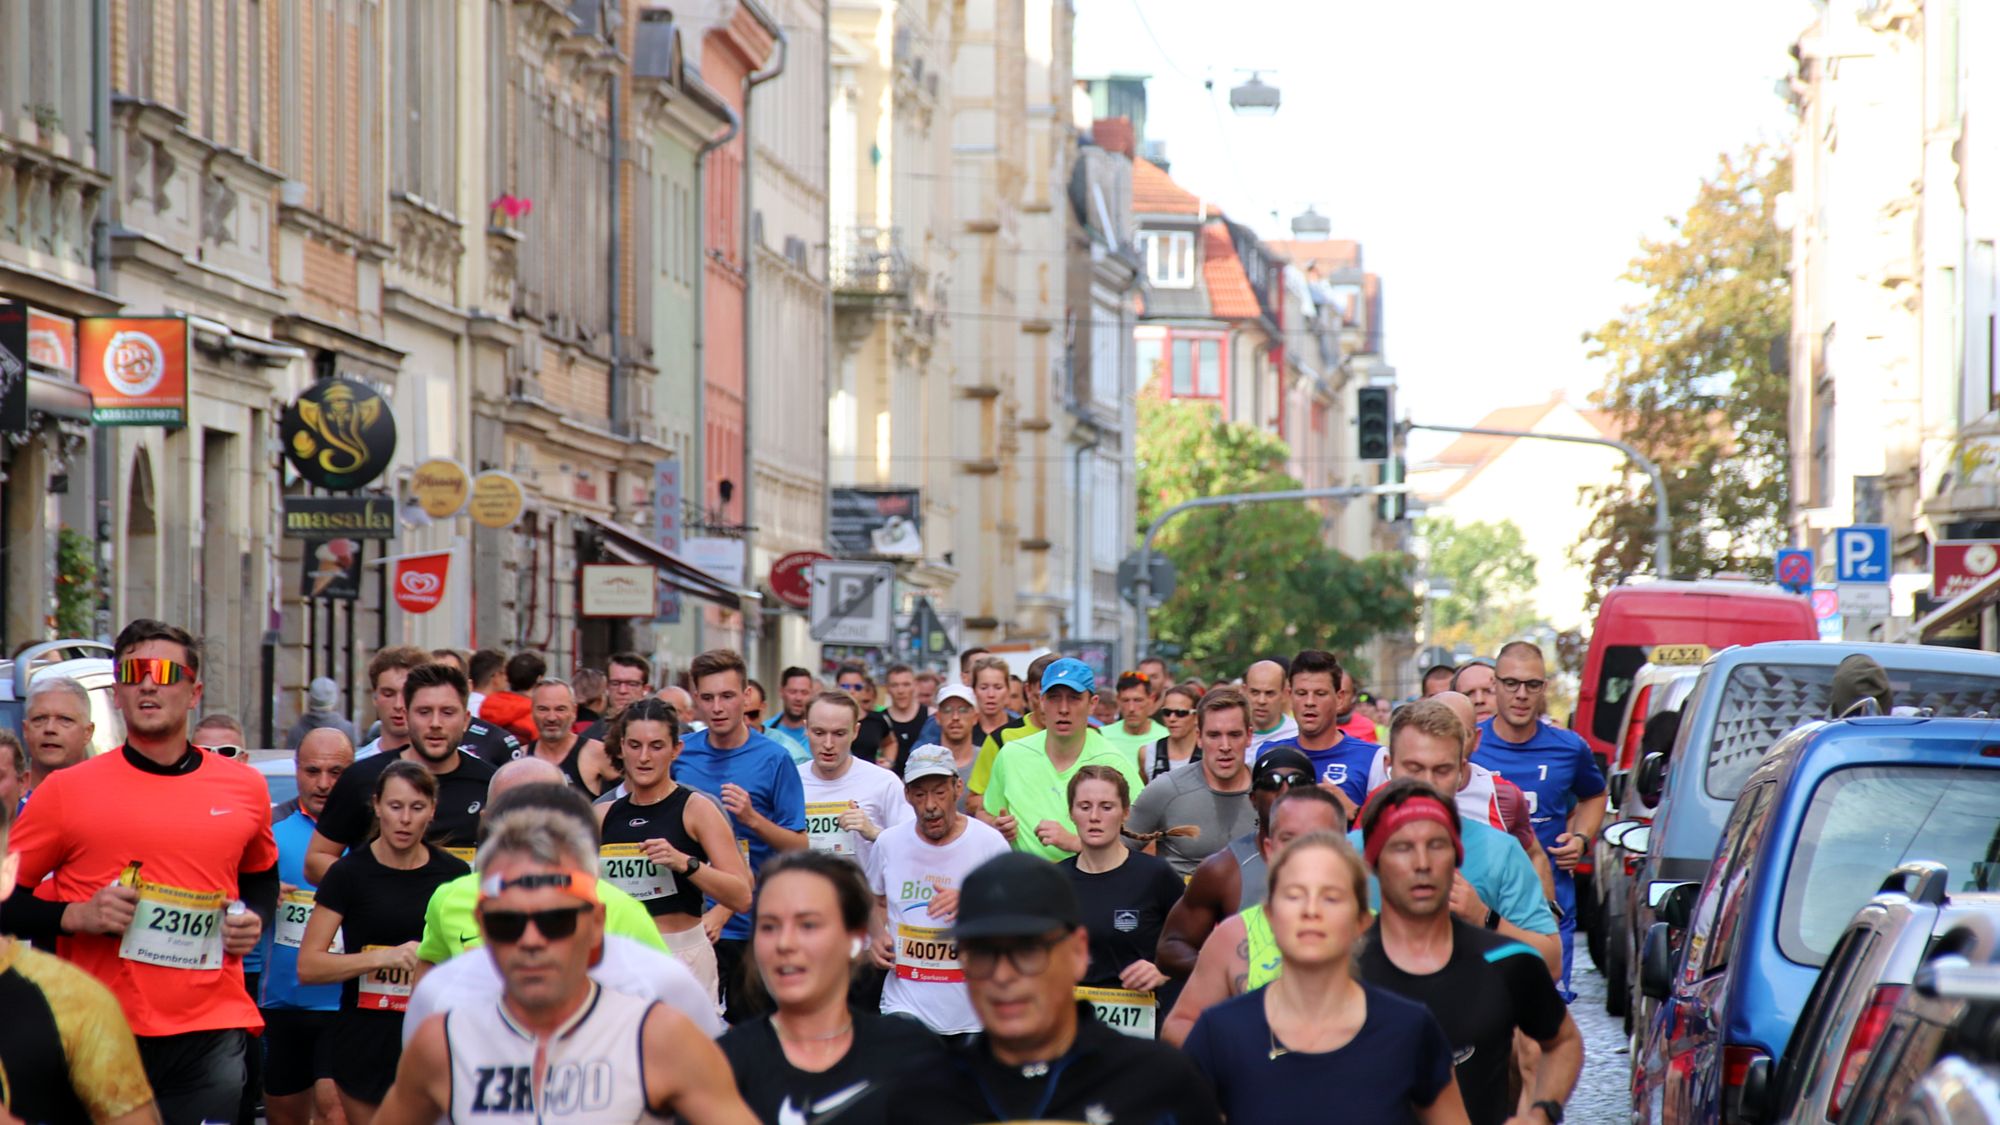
{"type": "Point", "coordinates": [1071, 673]}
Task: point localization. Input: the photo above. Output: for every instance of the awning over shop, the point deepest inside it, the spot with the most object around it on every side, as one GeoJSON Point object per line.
{"type": "Point", "coordinates": [58, 398]}
{"type": "Point", "coordinates": [627, 545]}
{"type": "Point", "coordinates": [1959, 608]}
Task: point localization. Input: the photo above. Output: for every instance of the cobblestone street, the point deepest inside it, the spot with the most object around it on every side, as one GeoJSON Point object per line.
{"type": "Point", "coordinates": [1603, 1092]}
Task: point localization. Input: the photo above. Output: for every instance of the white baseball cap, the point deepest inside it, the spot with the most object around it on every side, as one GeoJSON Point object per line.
{"type": "Point", "coordinates": [929, 760]}
{"type": "Point", "coordinates": [954, 691]}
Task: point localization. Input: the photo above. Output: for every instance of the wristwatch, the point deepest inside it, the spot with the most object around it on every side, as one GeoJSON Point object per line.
{"type": "Point", "coordinates": [694, 865]}
{"type": "Point", "coordinates": [1553, 1110]}
{"type": "Point", "coordinates": [1492, 919]}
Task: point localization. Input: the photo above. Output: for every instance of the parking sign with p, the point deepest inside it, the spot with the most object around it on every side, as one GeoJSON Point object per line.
{"type": "Point", "coordinates": [1862, 555]}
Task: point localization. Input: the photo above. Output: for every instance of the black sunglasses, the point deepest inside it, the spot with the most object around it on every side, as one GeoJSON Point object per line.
{"type": "Point", "coordinates": [754, 714]}
{"type": "Point", "coordinates": [509, 926]}
{"type": "Point", "coordinates": [1176, 712]}
{"type": "Point", "coordinates": [1285, 779]}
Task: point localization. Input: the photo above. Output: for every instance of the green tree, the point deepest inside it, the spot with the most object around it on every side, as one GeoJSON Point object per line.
{"type": "Point", "coordinates": [1699, 382]}
{"type": "Point", "coordinates": [1258, 579]}
{"type": "Point", "coordinates": [1492, 578]}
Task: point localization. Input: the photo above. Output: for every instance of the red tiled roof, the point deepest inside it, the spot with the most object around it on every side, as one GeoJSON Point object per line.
{"type": "Point", "coordinates": [1114, 134]}
{"type": "Point", "coordinates": [1154, 193]}
{"type": "Point", "coordinates": [1329, 254]}
{"type": "Point", "coordinates": [1229, 293]}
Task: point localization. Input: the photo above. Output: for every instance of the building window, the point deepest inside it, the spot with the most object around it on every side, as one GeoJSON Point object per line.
{"type": "Point", "coordinates": [424, 129]}
{"type": "Point", "coordinates": [1169, 258]}
{"type": "Point", "coordinates": [1189, 364]}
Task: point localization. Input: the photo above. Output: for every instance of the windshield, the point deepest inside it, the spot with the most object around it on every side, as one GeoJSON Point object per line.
{"type": "Point", "coordinates": [1863, 822]}
{"type": "Point", "coordinates": [1760, 702]}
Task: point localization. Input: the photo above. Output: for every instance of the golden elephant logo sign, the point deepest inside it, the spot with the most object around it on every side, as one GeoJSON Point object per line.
{"type": "Point", "coordinates": [339, 434]}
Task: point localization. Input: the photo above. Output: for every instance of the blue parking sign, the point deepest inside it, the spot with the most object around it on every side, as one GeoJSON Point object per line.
{"type": "Point", "coordinates": [1861, 555]}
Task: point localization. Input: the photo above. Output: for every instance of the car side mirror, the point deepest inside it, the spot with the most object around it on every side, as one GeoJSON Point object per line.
{"type": "Point", "coordinates": [1656, 963]}
{"type": "Point", "coordinates": [1637, 839]}
{"type": "Point", "coordinates": [1615, 835]}
{"type": "Point", "coordinates": [1672, 903]}
{"type": "Point", "coordinates": [1652, 778]}
{"type": "Point", "coordinates": [1754, 1106]}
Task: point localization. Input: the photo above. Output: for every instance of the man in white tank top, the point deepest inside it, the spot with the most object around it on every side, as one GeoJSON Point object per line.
{"type": "Point", "coordinates": [556, 1046]}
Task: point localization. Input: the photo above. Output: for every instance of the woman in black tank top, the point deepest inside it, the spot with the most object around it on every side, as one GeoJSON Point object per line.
{"type": "Point", "coordinates": [666, 845]}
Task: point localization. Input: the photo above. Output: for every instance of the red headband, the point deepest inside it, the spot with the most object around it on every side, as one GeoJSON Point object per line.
{"type": "Point", "coordinates": [1419, 807]}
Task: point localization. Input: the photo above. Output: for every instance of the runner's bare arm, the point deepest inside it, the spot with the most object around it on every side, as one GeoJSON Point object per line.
{"type": "Point", "coordinates": [687, 1075]}
{"type": "Point", "coordinates": [1211, 894]}
{"type": "Point", "coordinates": [1448, 1109]}
{"type": "Point", "coordinates": [1562, 1062]}
{"type": "Point", "coordinates": [1218, 974]}
{"type": "Point", "coordinates": [725, 877]}
{"type": "Point", "coordinates": [148, 1114]}
{"type": "Point", "coordinates": [422, 1089]}
{"type": "Point", "coordinates": [320, 855]}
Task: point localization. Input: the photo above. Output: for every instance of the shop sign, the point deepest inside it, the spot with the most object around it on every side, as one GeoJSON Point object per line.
{"type": "Point", "coordinates": [340, 517]}
{"type": "Point", "coordinates": [863, 522]}
{"type": "Point", "coordinates": [135, 368]}
{"type": "Point", "coordinates": [440, 487]}
{"type": "Point", "coordinates": [791, 577]}
{"type": "Point", "coordinates": [339, 434]}
{"type": "Point", "coordinates": [13, 367]}
{"type": "Point", "coordinates": [333, 570]}
{"type": "Point", "coordinates": [497, 500]}
{"type": "Point", "coordinates": [419, 581]}
{"type": "Point", "coordinates": [618, 590]}
{"type": "Point", "coordinates": [1957, 565]}
{"type": "Point", "coordinates": [52, 343]}
{"type": "Point", "coordinates": [667, 531]}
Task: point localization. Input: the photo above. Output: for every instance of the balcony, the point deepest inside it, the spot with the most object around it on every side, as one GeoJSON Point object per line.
{"type": "Point", "coordinates": [868, 265]}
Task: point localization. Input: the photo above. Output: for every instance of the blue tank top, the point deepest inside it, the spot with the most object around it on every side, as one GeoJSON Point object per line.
{"type": "Point", "coordinates": [280, 987]}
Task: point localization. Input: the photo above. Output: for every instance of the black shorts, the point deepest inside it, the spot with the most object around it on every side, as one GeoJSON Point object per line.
{"type": "Point", "coordinates": [371, 1044]}
{"type": "Point", "coordinates": [298, 1049]}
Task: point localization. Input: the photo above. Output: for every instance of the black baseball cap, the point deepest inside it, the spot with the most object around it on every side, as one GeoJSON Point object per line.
{"type": "Point", "coordinates": [1015, 895]}
{"type": "Point", "coordinates": [1280, 758]}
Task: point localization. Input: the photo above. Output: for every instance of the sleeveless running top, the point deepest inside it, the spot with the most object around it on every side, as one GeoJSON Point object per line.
{"type": "Point", "coordinates": [1162, 762]}
{"type": "Point", "coordinates": [627, 824]}
{"type": "Point", "coordinates": [572, 768]}
{"type": "Point", "coordinates": [1266, 964]}
{"type": "Point", "coordinates": [593, 1069]}
{"type": "Point", "coordinates": [1251, 871]}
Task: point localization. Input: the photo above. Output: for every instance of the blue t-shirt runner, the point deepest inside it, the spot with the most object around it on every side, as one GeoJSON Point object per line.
{"type": "Point", "coordinates": [1555, 770]}
{"type": "Point", "coordinates": [1344, 764]}
{"type": "Point", "coordinates": [765, 770]}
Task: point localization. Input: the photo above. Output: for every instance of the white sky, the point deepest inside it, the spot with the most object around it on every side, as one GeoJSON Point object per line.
{"type": "Point", "coordinates": [1499, 162]}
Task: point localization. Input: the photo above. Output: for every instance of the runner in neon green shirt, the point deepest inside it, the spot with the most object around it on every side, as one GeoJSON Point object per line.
{"type": "Point", "coordinates": [1029, 791]}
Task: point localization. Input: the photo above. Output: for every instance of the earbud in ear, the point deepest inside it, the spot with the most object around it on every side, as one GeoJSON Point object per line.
{"type": "Point", "coordinates": [855, 947]}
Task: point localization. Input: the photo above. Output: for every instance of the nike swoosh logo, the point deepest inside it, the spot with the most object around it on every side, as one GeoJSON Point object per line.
{"type": "Point", "coordinates": [218, 812]}
{"type": "Point", "coordinates": [467, 939]}
{"type": "Point", "coordinates": [823, 1110]}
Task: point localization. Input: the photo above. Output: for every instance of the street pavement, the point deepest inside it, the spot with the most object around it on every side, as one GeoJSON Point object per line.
{"type": "Point", "coordinates": [1603, 1092]}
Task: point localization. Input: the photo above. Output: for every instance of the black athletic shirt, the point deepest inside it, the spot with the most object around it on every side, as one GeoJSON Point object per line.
{"type": "Point", "coordinates": [869, 737]}
{"type": "Point", "coordinates": [493, 745]}
{"type": "Point", "coordinates": [1491, 985]}
{"type": "Point", "coordinates": [1105, 1076]}
{"type": "Point", "coordinates": [906, 733]}
{"type": "Point", "coordinates": [461, 794]}
{"type": "Point", "coordinates": [627, 823]}
{"type": "Point", "coordinates": [1123, 909]}
{"type": "Point", "coordinates": [381, 905]}
{"type": "Point", "coordinates": [854, 1091]}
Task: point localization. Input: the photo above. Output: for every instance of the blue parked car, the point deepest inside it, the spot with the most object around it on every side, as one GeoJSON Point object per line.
{"type": "Point", "coordinates": [1817, 826]}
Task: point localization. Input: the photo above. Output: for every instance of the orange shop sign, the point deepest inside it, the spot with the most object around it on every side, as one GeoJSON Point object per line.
{"type": "Point", "coordinates": [136, 369]}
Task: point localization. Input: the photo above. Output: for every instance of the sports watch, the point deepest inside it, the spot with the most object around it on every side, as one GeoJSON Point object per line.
{"type": "Point", "coordinates": [1553, 1110]}
{"type": "Point", "coordinates": [694, 865]}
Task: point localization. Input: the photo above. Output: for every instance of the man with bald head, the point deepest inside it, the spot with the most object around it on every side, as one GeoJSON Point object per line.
{"type": "Point", "coordinates": [449, 927]}
{"type": "Point", "coordinates": [678, 699]}
{"type": "Point", "coordinates": [1266, 685]}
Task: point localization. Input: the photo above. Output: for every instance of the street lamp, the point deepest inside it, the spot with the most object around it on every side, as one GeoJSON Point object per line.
{"type": "Point", "coordinates": [1254, 97]}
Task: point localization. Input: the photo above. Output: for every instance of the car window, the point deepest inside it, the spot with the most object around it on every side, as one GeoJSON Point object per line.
{"type": "Point", "coordinates": [1762, 701]}
{"type": "Point", "coordinates": [1724, 880]}
{"type": "Point", "coordinates": [1614, 680]}
{"type": "Point", "coordinates": [1748, 833]}
{"type": "Point", "coordinates": [1865, 820]}
{"type": "Point", "coordinates": [1809, 1054]}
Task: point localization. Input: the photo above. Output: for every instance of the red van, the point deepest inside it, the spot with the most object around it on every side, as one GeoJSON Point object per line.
{"type": "Point", "coordinates": [1674, 623]}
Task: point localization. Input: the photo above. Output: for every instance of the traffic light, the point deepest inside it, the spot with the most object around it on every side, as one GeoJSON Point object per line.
{"type": "Point", "coordinates": [1375, 422]}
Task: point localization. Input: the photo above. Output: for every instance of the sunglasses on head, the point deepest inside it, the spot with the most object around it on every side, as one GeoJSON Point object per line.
{"type": "Point", "coordinates": [506, 927]}
{"type": "Point", "coordinates": [135, 670]}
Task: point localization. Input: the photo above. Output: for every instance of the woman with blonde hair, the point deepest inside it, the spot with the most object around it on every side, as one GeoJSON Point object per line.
{"type": "Point", "coordinates": [1283, 1053]}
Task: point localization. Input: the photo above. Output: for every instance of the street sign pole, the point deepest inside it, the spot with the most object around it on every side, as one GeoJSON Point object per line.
{"type": "Point", "coordinates": [1142, 584]}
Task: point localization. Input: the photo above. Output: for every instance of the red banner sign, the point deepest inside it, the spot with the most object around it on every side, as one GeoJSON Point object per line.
{"type": "Point", "coordinates": [419, 581]}
{"type": "Point", "coordinates": [1957, 565]}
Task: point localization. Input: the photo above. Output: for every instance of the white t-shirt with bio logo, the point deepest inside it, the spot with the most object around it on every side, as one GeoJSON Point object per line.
{"type": "Point", "coordinates": [906, 870]}
{"type": "Point", "coordinates": [879, 792]}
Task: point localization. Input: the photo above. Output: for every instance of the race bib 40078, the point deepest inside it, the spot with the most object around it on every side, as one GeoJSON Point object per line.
{"type": "Point", "coordinates": [928, 954]}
